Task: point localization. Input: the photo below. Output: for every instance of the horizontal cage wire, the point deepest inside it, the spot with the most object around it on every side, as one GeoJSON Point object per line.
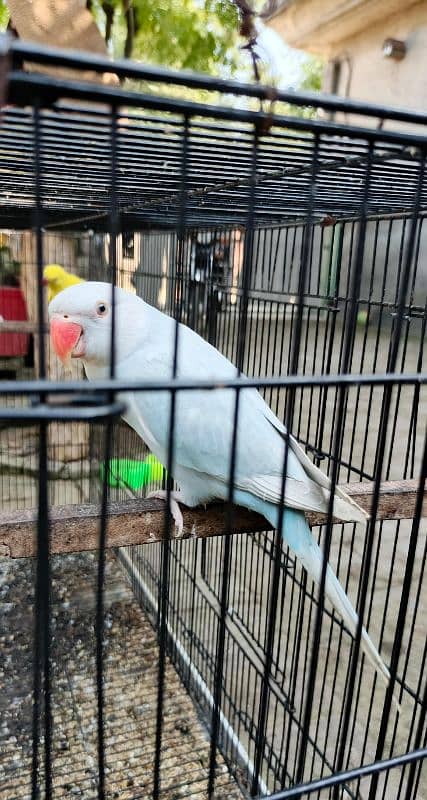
{"type": "Point", "coordinates": [141, 664]}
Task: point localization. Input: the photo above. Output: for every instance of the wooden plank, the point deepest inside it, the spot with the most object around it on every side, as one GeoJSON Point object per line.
{"type": "Point", "coordinates": [76, 528]}
{"type": "Point", "coordinates": [22, 326]}
{"type": "Point", "coordinates": [397, 498]}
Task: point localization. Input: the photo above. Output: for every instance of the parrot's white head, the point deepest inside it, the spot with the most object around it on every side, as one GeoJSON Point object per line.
{"type": "Point", "coordinates": [81, 319]}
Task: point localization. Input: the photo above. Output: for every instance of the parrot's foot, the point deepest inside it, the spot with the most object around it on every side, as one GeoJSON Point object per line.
{"type": "Point", "coordinates": [174, 508]}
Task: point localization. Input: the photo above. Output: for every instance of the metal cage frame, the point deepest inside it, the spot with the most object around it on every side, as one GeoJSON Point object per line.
{"type": "Point", "coordinates": [290, 173]}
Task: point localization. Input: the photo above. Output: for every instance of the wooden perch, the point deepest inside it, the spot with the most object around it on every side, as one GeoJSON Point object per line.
{"type": "Point", "coordinates": [22, 326]}
{"type": "Point", "coordinates": [76, 528]}
{"type": "Point", "coordinates": [11, 464]}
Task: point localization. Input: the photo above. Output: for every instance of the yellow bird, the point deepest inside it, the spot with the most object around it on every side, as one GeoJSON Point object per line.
{"type": "Point", "coordinates": [56, 278]}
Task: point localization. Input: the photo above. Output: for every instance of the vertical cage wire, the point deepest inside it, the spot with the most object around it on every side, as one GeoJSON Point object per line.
{"type": "Point", "coordinates": [99, 627]}
{"type": "Point", "coordinates": [226, 557]}
{"type": "Point", "coordinates": [289, 414]}
{"type": "Point", "coordinates": [379, 464]}
{"type": "Point", "coordinates": [42, 668]}
{"type": "Point", "coordinates": [165, 559]}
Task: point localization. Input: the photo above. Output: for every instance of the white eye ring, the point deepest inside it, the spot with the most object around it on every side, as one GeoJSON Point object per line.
{"type": "Point", "coordinates": [102, 309]}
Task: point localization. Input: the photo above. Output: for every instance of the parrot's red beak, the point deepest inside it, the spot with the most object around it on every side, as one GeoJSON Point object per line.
{"type": "Point", "coordinates": [45, 282]}
{"type": "Point", "coordinates": [65, 336]}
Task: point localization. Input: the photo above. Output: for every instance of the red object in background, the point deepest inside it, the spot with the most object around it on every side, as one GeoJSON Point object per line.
{"type": "Point", "coordinates": [13, 307]}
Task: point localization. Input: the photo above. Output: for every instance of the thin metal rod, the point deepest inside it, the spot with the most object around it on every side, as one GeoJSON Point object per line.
{"type": "Point", "coordinates": [42, 672]}
{"type": "Point", "coordinates": [341, 778]}
{"type": "Point", "coordinates": [108, 448]}
{"type": "Point", "coordinates": [337, 446]}
{"type": "Point", "coordinates": [385, 410]}
{"type": "Point", "coordinates": [289, 414]}
{"type": "Point", "coordinates": [242, 382]}
{"type": "Point", "coordinates": [27, 84]}
{"type": "Point", "coordinates": [164, 586]}
{"type": "Point", "coordinates": [124, 68]}
{"type": "Point", "coordinates": [240, 355]}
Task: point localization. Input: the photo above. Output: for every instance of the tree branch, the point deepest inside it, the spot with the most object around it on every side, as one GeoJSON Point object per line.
{"type": "Point", "coordinates": [130, 27]}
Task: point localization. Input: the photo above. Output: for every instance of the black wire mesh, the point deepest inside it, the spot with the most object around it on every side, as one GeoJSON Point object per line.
{"type": "Point", "coordinates": [296, 247]}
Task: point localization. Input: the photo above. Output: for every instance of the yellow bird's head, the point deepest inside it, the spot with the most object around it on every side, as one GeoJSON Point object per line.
{"type": "Point", "coordinates": [56, 278]}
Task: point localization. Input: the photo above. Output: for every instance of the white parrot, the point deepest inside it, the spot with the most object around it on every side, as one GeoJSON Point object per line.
{"type": "Point", "coordinates": [80, 326]}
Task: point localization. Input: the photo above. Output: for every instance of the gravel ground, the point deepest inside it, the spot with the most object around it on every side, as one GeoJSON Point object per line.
{"type": "Point", "coordinates": [131, 658]}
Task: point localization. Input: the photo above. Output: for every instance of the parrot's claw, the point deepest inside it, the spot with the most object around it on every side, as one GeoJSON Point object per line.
{"type": "Point", "coordinates": [174, 508]}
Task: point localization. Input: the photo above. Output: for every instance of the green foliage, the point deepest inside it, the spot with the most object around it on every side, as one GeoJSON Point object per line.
{"type": "Point", "coordinates": [312, 74]}
{"type": "Point", "coordinates": [200, 35]}
{"type": "Point", "coordinates": [312, 70]}
{"type": "Point", "coordinates": [4, 16]}
{"type": "Point", "coordinates": [184, 34]}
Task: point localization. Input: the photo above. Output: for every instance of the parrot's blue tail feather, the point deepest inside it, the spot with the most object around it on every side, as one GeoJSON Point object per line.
{"type": "Point", "coordinates": [297, 535]}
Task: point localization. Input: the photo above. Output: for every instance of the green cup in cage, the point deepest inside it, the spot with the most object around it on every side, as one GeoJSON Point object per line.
{"type": "Point", "coordinates": [125, 472]}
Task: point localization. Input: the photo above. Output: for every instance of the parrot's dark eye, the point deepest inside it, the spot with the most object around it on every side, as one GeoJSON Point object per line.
{"type": "Point", "coordinates": [102, 309]}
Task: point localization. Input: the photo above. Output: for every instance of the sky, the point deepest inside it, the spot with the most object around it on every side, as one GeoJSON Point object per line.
{"type": "Point", "coordinates": [285, 62]}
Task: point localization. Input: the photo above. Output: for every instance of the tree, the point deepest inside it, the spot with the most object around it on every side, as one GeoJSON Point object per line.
{"type": "Point", "coordinates": [4, 15]}
{"type": "Point", "coordinates": [182, 34]}
{"type": "Point", "coordinates": [312, 70]}
{"type": "Point", "coordinates": [218, 37]}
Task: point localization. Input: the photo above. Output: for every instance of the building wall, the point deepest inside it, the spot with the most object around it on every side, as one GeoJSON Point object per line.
{"type": "Point", "coordinates": [353, 34]}
{"type": "Point", "coordinates": [367, 74]}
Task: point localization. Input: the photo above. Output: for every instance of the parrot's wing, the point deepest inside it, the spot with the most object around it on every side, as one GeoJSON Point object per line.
{"type": "Point", "coordinates": [303, 495]}
{"type": "Point", "coordinates": [207, 425]}
{"type": "Point", "coordinates": [344, 507]}
{"type": "Point", "coordinates": [203, 442]}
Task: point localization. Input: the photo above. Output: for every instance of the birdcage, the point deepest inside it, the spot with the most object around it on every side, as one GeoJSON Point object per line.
{"type": "Point", "coordinates": [141, 665]}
